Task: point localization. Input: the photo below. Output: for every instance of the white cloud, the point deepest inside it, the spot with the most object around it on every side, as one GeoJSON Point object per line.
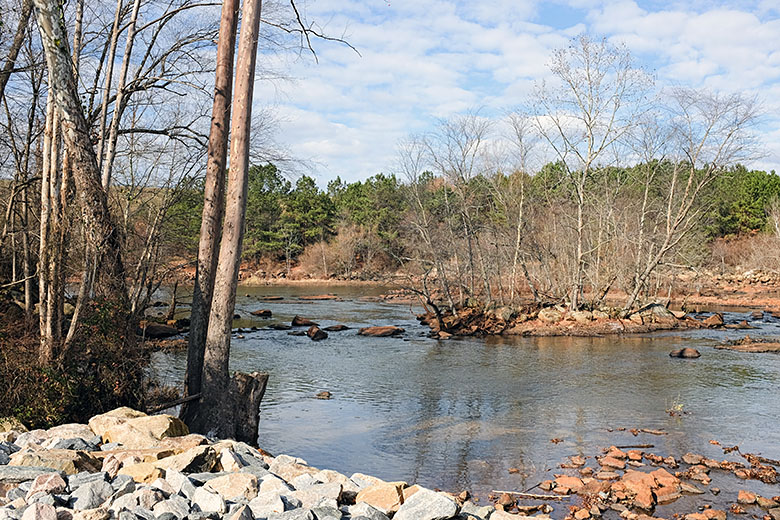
{"type": "Point", "coordinates": [424, 59]}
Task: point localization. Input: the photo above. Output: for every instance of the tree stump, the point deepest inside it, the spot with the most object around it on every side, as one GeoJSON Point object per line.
{"type": "Point", "coordinates": [247, 390]}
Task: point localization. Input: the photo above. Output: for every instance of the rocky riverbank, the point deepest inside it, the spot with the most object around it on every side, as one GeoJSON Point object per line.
{"type": "Point", "coordinates": [130, 466]}
{"type": "Point", "coordinates": [127, 465]}
{"type": "Point", "coordinates": [560, 321]}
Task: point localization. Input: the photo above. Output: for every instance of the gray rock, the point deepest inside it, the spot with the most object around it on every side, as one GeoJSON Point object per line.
{"type": "Point", "coordinates": [17, 474]}
{"type": "Point", "coordinates": [427, 505]}
{"type": "Point", "coordinates": [25, 486]}
{"type": "Point", "coordinates": [208, 501]}
{"type": "Point", "coordinates": [91, 495]}
{"type": "Point", "coordinates": [126, 515]}
{"type": "Point", "coordinates": [266, 503]}
{"type": "Point", "coordinates": [366, 511]}
{"type": "Point", "coordinates": [297, 514]}
{"type": "Point", "coordinates": [243, 513]}
{"type": "Point", "coordinates": [15, 493]}
{"type": "Point", "coordinates": [9, 448]}
{"type": "Point", "coordinates": [143, 514]}
{"type": "Point", "coordinates": [775, 513]}
{"type": "Point", "coordinates": [175, 505]}
{"type": "Point", "coordinates": [84, 477]}
{"type": "Point", "coordinates": [45, 498]}
{"type": "Point", "coordinates": [290, 502]}
{"type": "Point", "coordinates": [327, 513]}
{"type": "Point", "coordinates": [200, 515]}
{"type": "Point", "coordinates": [471, 510]}
{"type": "Point", "coordinates": [148, 498]}
{"type": "Point", "coordinates": [201, 478]}
{"type": "Point", "coordinates": [40, 512]}
{"type": "Point", "coordinates": [167, 516]}
{"type": "Point", "coordinates": [181, 483]}
{"type": "Point", "coordinates": [126, 502]}
{"type": "Point", "coordinates": [303, 481]}
{"type": "Point", "coordinates": [122, 485]}
{"type": "Point", "coordinates": [313, 495]}
{"type": "Point", "coordinates": [4, 458]}
{"type": "Point", "coordinates": [74, 444]}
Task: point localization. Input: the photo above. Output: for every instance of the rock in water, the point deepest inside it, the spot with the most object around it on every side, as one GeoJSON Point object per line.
{"type": "Point", "coordinates": [299, 321]}
{"type": "Point", "coordinates": [686, 353]}
{"type": "Point", "coordinates": [714, 321]}
{"type": "Point", "coordinates": [336, 328]}
{"type": "Point", "coordinates": [381, 332]}
{"type": "Point", "coordinates": [261, 313]}
{"type": "Point", "coordinates": [316, 334]}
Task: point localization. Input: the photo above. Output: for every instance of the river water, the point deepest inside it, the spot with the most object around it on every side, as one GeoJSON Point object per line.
{"type": "Point", "coordinates": [458, 414]}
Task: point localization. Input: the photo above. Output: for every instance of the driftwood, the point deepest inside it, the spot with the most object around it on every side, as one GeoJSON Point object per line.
{"type": "Point", "coordinates": [177, 402]}
{"type": "Point", "coordinates": [534, 496]}
{"type": "Point", "coordinates": [635, 446]}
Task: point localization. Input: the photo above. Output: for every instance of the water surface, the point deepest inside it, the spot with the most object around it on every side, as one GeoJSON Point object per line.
{"type": "Point", "coordinates": [458, 414]}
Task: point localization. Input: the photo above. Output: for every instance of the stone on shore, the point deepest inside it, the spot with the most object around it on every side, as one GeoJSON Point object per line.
{"type": "Point", "coordinates": [142, 472]}
{"type": "Point", "coordinates": [67, 461]}
{"type": "Point", "coordinates": [194, 460]}
{"type": "Point", "coordinates": [234, 486]}
{"type": "Point", "coordinates": [385, 496]}
{"type": "Point", "coordinates": [209, 501]}
{"type": "Point", "coordinates": [40, 512]}
{"type": "Point", "coordinates": [427, 505]}
{"type": "Point", "coordinates": [50, 484]}
{"type": "Point", "coordinates": [145, 432]}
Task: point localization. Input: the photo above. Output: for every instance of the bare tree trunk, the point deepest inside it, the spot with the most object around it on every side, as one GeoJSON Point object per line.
{"type": "Point", "coordinates": [101, 236]}
{"type": "Point", "coordinates": [119, 104]}
{"type": "Point", "coordinates": [109, 78]}
{"type": "Point", "coordinates": [16, 45]}
{"type": "Point", "coordinates": [212, 414]}
{"type": "Point", "coordinates": [213, 207]}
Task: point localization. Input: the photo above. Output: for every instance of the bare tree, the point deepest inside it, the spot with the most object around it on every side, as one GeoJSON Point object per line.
{"type": "Point", "coordinates": [598, 98]}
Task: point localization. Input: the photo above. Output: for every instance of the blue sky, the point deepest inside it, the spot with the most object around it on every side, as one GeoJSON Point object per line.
{"type": "Point", "coordinates": [427, 59]}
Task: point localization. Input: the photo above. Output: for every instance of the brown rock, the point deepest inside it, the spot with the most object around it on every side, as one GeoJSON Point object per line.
{"type": "Point", "coordinates": [607, 475]}
{"type": "Point", "coordinates": [67, 461]}
{"type": "Point", "coordinates": [766, 503]}
{"type": "Point", "coordinates": [714, 321]}
{"type": "Point", "coordinates": [691, 489]}
{"type": "Point", "coordinates": [715, 514]}
{"type": "Point", "coordinates": [195, 460]}
{"type": "Point", "coordinates": [316, 334]}
{"type": "Point", "coordinates": [40, 511]}
{"type": "Point", "coordinates": [616, 453]}
{"type": "Point", "coordinates": [381, 332]}
{"type": "Point", "coordinates": [143, 472]}
{"type": "Point", "coordinates": [685, 353]}
{"type": "Point", "coordinates": [50, 484]}
{"type": "Point", "coordinates": [746, 497]}
{"type": "Point", "coordinates": [385, 496]}
{"type": "Point", "coordinates": [582, 514]}
{"type": "Point", "coordinates": [695, 516]}
{"type": "Point", "coordinates": [261, 313]}
{"type": "Point", "coordinates": [775, 513]}
{"type": "Point", "coordinates": [145, 432]}
{"type": "Point", "coordinates": [336, 328]}
{"type": "Point", "coordinates": [299, 321]}
{"type": "Point", "coordinates": [411, 490]}
{"type": "Point", "coordinates": [635, 455]}
{"type": "Point", "coordinates": [664, 478]}
{"type": "Point", "coordinates": [611, 462]}
{"type": "Point", "coordinates": [577, 461]}
{"type": "Point", "coordinates": [644, 498]}
{"type": "Point", "coordinates": [692, 458]}
{"type": "Point", "coordinates": [666, 494]}
{"type": "Point", "coordinates": [506, 500]}
{"type": "Point", "coordinates": [573, 484]}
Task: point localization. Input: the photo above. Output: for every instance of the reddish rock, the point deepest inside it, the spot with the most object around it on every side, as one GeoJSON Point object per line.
{"type": "Point", "coordinates": [336, 328]}
{"type": "Point", "coordinates": [715, 514]}
{"type": "Point", "coordinates": [695, 516]}
{"type": "Point", "coordinates": [261, 313]}
{"type": "Point", "coordinates": [582, 514]}
{"type": "Point", "coordinates": [381, 332]}
{"type": "Point", "coordinates": [635, 455]}
{"type": "Point", "coordinates": [644, 499]}
{"type": "Point", "coordinates": [611, 462]}
{"type": "Point", "coordinates": [692, 458]}
{"type": "Point", "coordinates": [316, 334]}
{"type": "Point", "coordinates": [664, 478]}
{"type": "Point", "coordinates": [666, 494]}
{"type": "Point", "coordinates": [716, 320]}
{"type": "Point", "coordinates": [506, 500]}
{"type": "Point", "coordinates": [573, 484]}
{"type": "Point", "coordinates": [766, 503]}
{"type": "Point", "coordinates": [616, 453]}
{"type": "Point", "coordinates": [299, 321]}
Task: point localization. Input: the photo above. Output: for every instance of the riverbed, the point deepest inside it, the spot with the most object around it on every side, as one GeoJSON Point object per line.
{"type": "Point", "coordinates": [459, 414]}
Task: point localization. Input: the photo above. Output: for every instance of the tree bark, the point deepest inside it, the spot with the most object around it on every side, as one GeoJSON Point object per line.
{"type": "Point", "coordinates": [16, 45]}
{"type": "Point", "coordinates": [247, 390]}
{"type": "Point", "coordinates": [213, 416]}
{"type": "Point", "coordinates": [213, 207]}
{"type": "Point", "coordinates": [102, 239]}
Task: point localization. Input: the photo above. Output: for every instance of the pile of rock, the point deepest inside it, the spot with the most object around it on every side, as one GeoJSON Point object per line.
{"type": "Point", "coordinates": [131, 466]}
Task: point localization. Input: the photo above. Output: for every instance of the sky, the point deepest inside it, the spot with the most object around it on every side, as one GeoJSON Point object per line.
{"type": "Point", "coordinates": [422, 60]}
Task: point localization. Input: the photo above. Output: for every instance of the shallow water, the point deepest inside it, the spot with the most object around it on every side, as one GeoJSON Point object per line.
{"type": "Point", "coordinates": [458, 414]}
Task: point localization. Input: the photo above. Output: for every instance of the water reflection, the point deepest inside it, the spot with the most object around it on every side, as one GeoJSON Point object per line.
{"type": "Point", "coordinates": [460, 413]}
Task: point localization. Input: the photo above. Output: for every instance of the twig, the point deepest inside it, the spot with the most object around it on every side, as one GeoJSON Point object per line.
{"type": "Point", "coordinates": [533, 495]}
{"type": "Point", "coordinates": [174, 403]}
{"type": "Point", "coordinates": [630, 446]}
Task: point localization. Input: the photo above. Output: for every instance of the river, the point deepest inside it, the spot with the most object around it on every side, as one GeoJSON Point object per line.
{"type": "Point", "coordinates": [458, 414]}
